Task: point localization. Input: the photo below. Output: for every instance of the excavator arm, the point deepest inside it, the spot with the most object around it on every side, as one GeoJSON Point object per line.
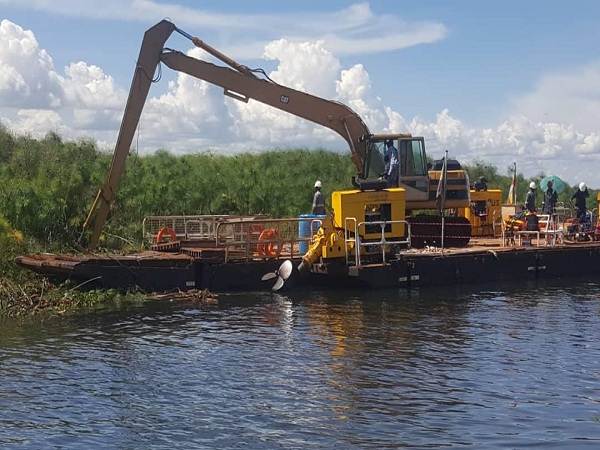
{"type": "Point", "coordinates": [238, 82]}
{"type": "Point", "coordinates": [329, 113]}
{"type": "Point", "coordinates": [148, 59]}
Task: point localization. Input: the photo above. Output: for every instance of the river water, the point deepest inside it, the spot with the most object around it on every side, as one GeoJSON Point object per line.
{"type": "Point", "coordinates": [483, 367]}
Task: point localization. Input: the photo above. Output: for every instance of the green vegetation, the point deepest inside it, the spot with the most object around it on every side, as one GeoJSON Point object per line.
{"type": "Point", "coordinates": [48, 186]}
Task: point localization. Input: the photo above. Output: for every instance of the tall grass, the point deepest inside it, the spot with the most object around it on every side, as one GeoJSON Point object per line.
{"type": "Point", "coordinates": [48, 185]}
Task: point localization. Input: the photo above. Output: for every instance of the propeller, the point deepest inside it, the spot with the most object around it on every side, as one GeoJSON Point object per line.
{"type": "Point", "coordinates": [282, 274]}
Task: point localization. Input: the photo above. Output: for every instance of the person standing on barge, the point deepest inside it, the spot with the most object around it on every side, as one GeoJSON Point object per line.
{"type": "Point", "coordinates": [530, 199]}
{"type": "Point", "coordinates": [580, 197]}
{"type": "Point", "coordinates": [480, 184]}
{"type": "Point", "coordinates": [318, 204]}
{"type": "Point", "coordinates": [550, 199]}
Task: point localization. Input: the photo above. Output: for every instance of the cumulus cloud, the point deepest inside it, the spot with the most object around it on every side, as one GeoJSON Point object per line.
{"type": "Point", "coordinates": [27, 75]}
{"type": "Point", "coordinates": [565, 97]}
{"type": "Point", "coordinates": [539, 147]}
{"type": "Point", "coordinates": [36, 98]}
{"type": "Point", "coordinates": [38, 122]}
{"type": "Point", "coordinates": [88, 86]}
{"type": "Point", "coordinates": [192, 115]}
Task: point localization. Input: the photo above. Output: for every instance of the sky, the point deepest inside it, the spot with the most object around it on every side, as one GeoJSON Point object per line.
{"type": "Point", "coordinates": [491, 82]}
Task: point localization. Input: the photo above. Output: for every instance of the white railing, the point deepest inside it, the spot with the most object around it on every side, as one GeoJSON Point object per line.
{"type": "Point", "coordinates": [252, 237]}
{"type": "Point", "coordinates": [352, 234]}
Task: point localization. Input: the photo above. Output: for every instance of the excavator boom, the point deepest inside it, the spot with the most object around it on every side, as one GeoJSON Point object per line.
{"type": "Point", "coordinates": [238, 82]}
{"type": "Point", "coordinates": [328, 113]}
{"type": "Point", "coordinates": [148, 59]}
{"type": "Point", "coordinates": [367, 151]}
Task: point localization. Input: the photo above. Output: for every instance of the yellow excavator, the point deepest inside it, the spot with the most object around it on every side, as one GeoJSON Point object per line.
{"type": "Point", "coordinates": [371, 200]}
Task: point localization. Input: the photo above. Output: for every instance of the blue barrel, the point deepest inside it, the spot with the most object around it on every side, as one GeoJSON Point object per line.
{"type": "Point", "coordinates": [304, 230]}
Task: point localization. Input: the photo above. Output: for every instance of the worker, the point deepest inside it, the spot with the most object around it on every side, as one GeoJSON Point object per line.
{"type": "Point", "coordinates": [481, 184]}
{"type": "Point", "coordinates": [550, 199]}
{"type": "Point", "coordinates": [580, 197]}
{"type": "Point", "coordinates": [392, 165]}
{"type": "Point", "coordinates": [318, 204]}
{"type": "Point", "coordinates": [530, 199]}
{"type": "Point", "coordinates": [532, 222]}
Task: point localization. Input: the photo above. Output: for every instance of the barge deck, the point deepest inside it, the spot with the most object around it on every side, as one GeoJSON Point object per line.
{"type": "Point", "coordinates": [234, 254]}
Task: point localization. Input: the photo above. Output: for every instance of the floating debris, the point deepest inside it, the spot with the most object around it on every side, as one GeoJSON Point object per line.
{"type": "Point", "coordinates": [203, 296]}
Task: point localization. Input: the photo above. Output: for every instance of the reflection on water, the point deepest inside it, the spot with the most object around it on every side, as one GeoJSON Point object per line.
{"type": "Point", "coordinates": [488, 366]}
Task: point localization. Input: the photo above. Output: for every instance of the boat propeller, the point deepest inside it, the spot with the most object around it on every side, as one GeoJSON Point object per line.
{"type": "Point", "coordinates": [282, 274]}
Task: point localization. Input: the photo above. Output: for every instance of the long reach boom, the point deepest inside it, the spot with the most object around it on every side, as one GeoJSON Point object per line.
{"type": "Point", "coordinates": [238, 82]}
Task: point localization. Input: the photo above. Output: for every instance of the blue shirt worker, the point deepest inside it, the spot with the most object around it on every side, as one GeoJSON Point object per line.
{"type": "Point", "coordinates": [318, 204]}
{"type": "Point", "coordinates": [392, 167]}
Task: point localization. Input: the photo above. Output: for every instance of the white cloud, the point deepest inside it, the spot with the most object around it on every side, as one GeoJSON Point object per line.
{"type": "Point", "coordinates": [306, 66]}
{"type": "Point", "coordinates": [37, 123]}
{"type": "Point", "coordinates": [88, 86]}
{"type": "Point", "coordinates": [352, 30]}
{"type": "Point", "coordinates": [565, 97]}
{"type": "Point", "coordinates": [192, 115]}
{"type": "Point", "coordinates": [27, 75]}
{"type": "Point", "coordinates": [537, 147]}
{"type": "Point", "coordinates": [35, 98]}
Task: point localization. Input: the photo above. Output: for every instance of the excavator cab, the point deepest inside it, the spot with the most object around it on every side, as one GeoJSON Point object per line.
{"type": "Point", "coordinates": [413, 163]}
{"type": "Point", "coordinates": [412, 160]}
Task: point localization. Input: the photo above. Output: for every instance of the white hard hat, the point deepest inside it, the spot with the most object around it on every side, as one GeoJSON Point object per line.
{"type": "Point", "coordinates": [532, 185]}
{"type": "Point", "coordinates": [318, 184]}
{"type": "Point", "coordinates": [582, 186]}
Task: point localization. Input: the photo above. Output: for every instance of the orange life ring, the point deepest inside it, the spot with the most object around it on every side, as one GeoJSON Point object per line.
{"type": "Point", "coordinates": [168, 231]}
{"type": "Point", "coordinates": [271, 248]}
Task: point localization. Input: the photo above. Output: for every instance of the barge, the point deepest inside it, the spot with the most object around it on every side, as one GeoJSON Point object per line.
{"type": "Point", "coordinates": [224, 254]}
{"type": "Point", "coordinates": [371, 238]}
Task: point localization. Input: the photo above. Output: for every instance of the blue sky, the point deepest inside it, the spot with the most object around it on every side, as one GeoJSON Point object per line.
{"type": "Point", "coordinates": [497, 82]}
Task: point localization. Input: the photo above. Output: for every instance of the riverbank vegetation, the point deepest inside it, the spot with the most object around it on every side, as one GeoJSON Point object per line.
{"type": "Point", "coordinates": [48, 186]}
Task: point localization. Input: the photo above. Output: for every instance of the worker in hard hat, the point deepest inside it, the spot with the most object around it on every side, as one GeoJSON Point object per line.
{"type": "Point", "coordinates": [480, 184]}
{"type": "Point", "coordinates": [580, 197]}
{"type": "Point", "coordinates": [318, 204]}
{"type": "Point", "coordinates": [530, 199]}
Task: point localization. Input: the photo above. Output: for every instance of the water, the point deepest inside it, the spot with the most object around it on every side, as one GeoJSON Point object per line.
{"type": "Point", "coordinates": [479, 367]}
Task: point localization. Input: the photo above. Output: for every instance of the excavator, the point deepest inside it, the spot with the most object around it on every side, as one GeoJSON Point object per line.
{"type": "Point", "coordinates": [370, 200]}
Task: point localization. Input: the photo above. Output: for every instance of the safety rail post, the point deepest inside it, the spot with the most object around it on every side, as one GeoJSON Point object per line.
{"type": "Point", "coordinates": [383, 242]}
{"type": "Point", "coordinates": [349, 239]}
{"type": "Point", "coordinates": [497, 221]}
{"type": "Point", "coordinates": [313, 222]}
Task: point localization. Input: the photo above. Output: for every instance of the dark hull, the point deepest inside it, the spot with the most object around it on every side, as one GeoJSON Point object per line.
{"type": "Point", "coordinates": [158, 272]}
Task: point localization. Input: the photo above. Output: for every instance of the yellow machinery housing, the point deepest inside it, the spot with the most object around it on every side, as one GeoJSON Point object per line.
{"type": "Point", "coordinates": [373, 215]}
{"type": "Point", "coordinates": [484, 211]}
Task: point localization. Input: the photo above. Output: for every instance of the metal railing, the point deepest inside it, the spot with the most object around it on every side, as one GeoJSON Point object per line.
{"type": "Point", "coordinates": [188, 228]}
{"type": "Point", "coordinates": [264, 238]}
{"type": "Point", "coordinates": [251, 238]}
{"type": "Point", "coordinates": [352, 235]}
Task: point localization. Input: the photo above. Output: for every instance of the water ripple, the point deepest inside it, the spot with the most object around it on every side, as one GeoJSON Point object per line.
{"type": "Point", "coordinates": [490, 368]}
